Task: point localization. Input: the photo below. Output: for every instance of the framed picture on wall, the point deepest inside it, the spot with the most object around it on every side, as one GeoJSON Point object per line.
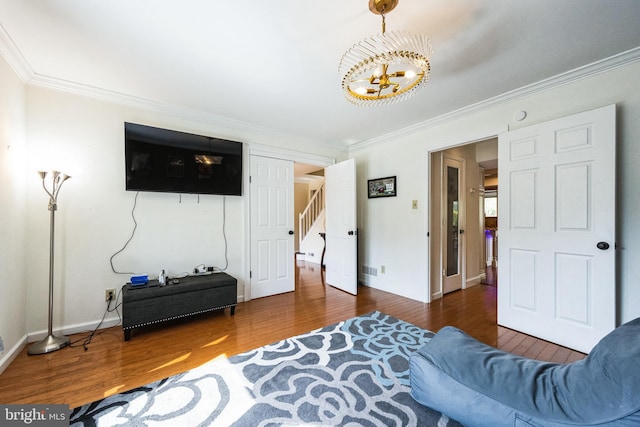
{"type": "Point", "coordinates": [382, 187]}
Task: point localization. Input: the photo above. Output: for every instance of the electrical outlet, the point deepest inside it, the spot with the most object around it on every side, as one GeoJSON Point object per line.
{"type": "Point", "coordinates": [109, 294]}
{"type": "Point", "coordinates": [382, 269]}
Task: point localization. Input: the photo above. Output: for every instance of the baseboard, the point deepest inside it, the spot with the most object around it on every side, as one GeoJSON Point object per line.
{"type": "Point", "coordinates": [364, 280]}
{"type": "Point", "coordinates": [473, 281]}
{"type": "Point", "coordinates": [12, 354]}
{"type": "Point", "coordinates": [81, 327]}
{"type": "Point", "coordinates": [75, 329]}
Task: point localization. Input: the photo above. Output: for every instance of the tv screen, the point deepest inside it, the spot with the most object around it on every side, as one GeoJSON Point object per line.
{"type": "Point", "coordinates": [176, 162]}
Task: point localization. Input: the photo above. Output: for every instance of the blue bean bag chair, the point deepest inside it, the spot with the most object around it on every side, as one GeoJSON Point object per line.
{"type": "Point", "coordinates": [479, 385]}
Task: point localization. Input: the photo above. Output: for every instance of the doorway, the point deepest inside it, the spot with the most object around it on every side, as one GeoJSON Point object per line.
{"type": "Point", "coordinates": [272, 271]}
{"type": "Point", "coordinates": [462, 250]}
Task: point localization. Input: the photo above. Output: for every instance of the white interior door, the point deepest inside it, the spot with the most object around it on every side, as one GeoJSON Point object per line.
{"type": "Point", "coordinates": [272, 237]}
{"type": "Point", "coordinates": [557, 229]}
{"type": "Point", "coordinates": [453, 210]}
{"type": "Point", "coordinates": [341, 255]}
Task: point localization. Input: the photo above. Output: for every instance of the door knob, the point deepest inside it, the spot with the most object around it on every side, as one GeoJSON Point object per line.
{"type": "Point", "coordinates": [290, 231]}
{"type": "Point", "coordinates": [602, 246]}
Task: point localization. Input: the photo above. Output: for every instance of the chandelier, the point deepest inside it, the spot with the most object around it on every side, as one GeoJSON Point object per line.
{"type": "Point", "coordinates": [385, 68]}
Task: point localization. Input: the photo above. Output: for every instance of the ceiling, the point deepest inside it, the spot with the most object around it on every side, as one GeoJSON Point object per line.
{"type": "Point", "coordinates": [272, 66]}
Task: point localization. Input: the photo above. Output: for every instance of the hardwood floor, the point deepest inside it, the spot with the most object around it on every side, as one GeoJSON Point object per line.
{"type": "Point", "coordinates": [75, 376]}
{"type": "Point", "coordinates": [490, 276]}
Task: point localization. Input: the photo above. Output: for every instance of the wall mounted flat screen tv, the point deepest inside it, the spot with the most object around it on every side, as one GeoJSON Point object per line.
{"type": "Point", "coordinates": [176, 162]}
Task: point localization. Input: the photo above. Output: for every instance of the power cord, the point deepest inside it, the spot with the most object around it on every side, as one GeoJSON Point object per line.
{"type": "Point", "coordinates": [87, 339]}
{"type": "Point", "coordinates": [133, 232]}
{"type": "Point", "coordinates": [224, 233]}
{"type": "Point", "coordinates": [202, 268]}
{"type": "Point", "coordinates": [135, 227]}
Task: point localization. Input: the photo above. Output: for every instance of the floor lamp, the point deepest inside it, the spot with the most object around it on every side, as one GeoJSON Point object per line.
{"type": "Point", "coordinates": [51, 343]}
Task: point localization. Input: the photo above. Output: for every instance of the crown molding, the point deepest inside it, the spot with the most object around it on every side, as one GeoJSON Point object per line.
{"type": "Point", "coordinates": [10, 52]}
{"type": "Point", "coordinates": [256, 149]}
{"type": "Point", "coordinates": [22, 68]}
{"type": "Point", "coordinates": [619, 60]}
{"type": "Point", "coordinates": [255, 132]}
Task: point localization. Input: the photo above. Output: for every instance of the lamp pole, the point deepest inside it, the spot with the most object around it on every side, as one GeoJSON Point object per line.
{"type": "Point", "coordinates": [51, 343]}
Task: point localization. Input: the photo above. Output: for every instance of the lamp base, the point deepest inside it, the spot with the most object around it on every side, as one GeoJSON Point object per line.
{"type": "Point", "coordinates": [48, 345]}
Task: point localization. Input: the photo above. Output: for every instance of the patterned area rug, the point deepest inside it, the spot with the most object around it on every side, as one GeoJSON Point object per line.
{"type": "Point", "coordinates": [353, 373]}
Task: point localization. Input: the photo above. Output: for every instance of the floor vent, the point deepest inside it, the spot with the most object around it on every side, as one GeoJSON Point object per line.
{"type": "Point", "coordinates": [369, 270]}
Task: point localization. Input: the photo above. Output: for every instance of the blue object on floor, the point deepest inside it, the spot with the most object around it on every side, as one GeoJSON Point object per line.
{"type": "Point", "coordinates": [479, 385]}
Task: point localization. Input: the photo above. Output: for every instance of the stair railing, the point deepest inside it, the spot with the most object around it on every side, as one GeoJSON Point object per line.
{"type": "Point", "coordinates": [311, 213]}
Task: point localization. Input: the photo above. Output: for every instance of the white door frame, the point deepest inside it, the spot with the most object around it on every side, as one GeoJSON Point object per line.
{"type": "Point", "coordinates": [277, 153]}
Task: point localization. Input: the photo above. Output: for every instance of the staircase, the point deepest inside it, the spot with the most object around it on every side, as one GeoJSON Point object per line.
{"type": "Point", "coordinates": [311, 223]}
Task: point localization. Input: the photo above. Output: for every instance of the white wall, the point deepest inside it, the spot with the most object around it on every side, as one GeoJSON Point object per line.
{"type": "Point", "coordinates": [394, 235]}
{"type": "Point", "coordinates": [13, 304]}
{"type": "Point", "coordinates": [84, 137]}
{"type": "Point", "coordinates": [390, 232]}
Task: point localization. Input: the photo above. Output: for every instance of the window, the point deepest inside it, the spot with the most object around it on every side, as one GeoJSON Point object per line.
{"type": "Point", "coordinates": [491, 206]}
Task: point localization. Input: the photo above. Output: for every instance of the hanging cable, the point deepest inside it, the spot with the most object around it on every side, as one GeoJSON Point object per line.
{"type": "Point", "coordinates": [133, 232]}
{"type": "Point", "coordinates": [224, 233]}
